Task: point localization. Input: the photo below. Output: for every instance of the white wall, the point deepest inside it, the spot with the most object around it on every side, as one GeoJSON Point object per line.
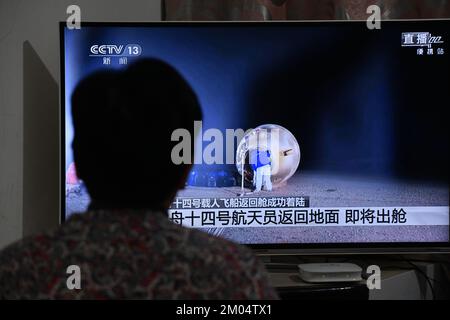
{"type": "Point", "coordinates": [36, 21]}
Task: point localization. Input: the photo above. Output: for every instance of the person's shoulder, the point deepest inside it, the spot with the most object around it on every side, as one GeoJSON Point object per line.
{"type": "Point", "coordinates": [22, 264]}
{"type": "Point", "coordinates": [24, 249]}
{"type": "Point", "coordinates": [244, 273]}
{"type": "Point", "coordinates": [202, 240]}
{"type": "Point", "coordinates": [33, 265]}
{"type": "Point", "coordinates": [217, 245]}
{"type": "Point", "coordinates": [35, 247]}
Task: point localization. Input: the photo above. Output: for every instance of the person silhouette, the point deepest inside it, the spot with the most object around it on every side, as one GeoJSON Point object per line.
{"type": "Point", "coordinates": [125, 246]}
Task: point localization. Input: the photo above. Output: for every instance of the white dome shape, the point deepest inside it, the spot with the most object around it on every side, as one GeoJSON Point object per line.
{"type": "Point", "coordinates": [282, 145]}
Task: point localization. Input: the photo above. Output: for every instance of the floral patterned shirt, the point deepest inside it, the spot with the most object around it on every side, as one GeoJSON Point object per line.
{"type": "Point", "coordinates": [130, 255]}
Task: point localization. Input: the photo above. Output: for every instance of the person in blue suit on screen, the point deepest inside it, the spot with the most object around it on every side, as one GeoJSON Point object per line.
{"type": "Point", "coordinates": [262, 166]}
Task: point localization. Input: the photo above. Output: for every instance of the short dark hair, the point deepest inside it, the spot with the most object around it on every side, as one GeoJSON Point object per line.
{"type": "Point", "coordinates": [123, 122]}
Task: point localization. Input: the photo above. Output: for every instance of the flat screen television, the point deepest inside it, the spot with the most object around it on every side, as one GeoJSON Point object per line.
{"type": "Point", "coordinates": [361, 163]}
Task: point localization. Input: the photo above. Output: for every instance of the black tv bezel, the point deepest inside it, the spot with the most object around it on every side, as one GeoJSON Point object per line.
{"type": "Point", "coordinates": [261, 249]}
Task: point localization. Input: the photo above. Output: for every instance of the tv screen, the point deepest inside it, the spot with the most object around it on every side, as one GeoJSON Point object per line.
{"type": "Point", "coordinates": [359, 118]}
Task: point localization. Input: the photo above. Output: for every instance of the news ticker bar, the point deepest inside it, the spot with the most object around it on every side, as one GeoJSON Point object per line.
{"type": "Point", "coordinates": [312, 217]}
{"type": "Point", "coordinates": [240, 202]}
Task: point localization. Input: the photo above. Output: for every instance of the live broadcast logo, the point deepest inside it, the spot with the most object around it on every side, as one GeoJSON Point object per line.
{"type": "Point", "coordinates": [424, 42]}
{"type": "Point", "coordinates": [420, 39]}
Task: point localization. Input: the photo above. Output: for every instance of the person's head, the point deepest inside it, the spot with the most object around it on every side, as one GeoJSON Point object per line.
{"type": "Point", "coordinates": [123, 122]}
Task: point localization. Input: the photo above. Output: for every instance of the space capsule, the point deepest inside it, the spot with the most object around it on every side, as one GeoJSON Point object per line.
{"type": "Point", "coordinates": [282, 145]}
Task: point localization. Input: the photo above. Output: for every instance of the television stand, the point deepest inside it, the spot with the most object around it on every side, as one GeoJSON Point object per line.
{"type": "Point", "coordinates": [399, 280]}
